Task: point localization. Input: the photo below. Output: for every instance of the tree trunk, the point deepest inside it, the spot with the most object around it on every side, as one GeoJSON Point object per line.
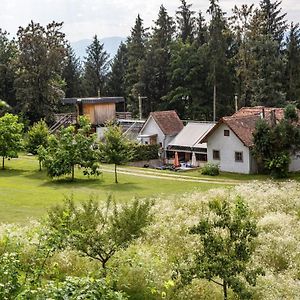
{"type": "Point", "coordinates": [2, 162]}
{"type": "Point", "coordinates": [215, 95]}
{"type": "Point", "coordinates": [40, 164]}
{"type": "Point", "coordinates": [116, 175]}
{"type": "Point", "coordinates": [225, 289]}
{"type": "Point", "coordinates": [73, 173]}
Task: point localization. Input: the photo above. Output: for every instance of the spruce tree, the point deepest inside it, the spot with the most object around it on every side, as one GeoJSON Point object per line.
{"type": "Point", "coordinates": [201, 33]}
{"type": "Point", "coordinates": [293, 64]}
{"type": "Point", "coordinates": [116, 77]}
{"type": "Point", "coordinates": [154, 70]}
{"type": "Point", "coordinates": [136, 55]}
{"type": "Point", "coordinates": [186, 22]}
{"type": "Point", "coordinates": [72, 75]}
{"type": "Point", "coordinates": [95, 69]}
{"type": "Point", "coordinates": [219, 46]}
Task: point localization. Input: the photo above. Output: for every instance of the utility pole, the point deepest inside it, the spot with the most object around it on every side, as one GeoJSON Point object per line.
{"type": "Point", "coordinates": [141, 106]}
{"type": "Point", "coordinates": [236, 102]}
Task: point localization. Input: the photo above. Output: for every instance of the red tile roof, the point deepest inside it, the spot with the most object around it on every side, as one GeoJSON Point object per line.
{"type": "Point", "coordinates": [168, 121]}
{"type": "Point", "coordinates": [243, 122]}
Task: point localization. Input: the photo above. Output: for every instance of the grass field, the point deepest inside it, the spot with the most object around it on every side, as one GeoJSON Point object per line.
{"type": "Point", "coordinates": [26, 192]}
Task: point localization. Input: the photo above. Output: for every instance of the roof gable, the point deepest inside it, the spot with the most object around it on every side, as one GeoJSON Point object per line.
{"type": "Point", "coordinates": [243, 122]}
{"type": "Point", "coordinates": [168, 122]}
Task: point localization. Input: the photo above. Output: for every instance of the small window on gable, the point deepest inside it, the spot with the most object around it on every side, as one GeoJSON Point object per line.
{"type": "Point", "coordinates": [226, 132]}
{"type": "Point", "coordinates": [216, 154]}
{"type": "Point", "coordinates": [146, 143]}
{"type": "Point", "coordinates": [238, 156]}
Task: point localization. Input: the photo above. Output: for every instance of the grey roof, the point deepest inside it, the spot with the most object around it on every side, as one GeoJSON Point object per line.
{"type": "Point", "coordinates": [191, 134]}
{"type": "Point", "coordinates": [93, 100]}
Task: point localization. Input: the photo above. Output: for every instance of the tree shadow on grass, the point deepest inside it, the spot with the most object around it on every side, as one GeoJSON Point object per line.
{"type": "Point", "coordinates": [76, 183]}
{"type": "Point", "coordinates": [7, 172]}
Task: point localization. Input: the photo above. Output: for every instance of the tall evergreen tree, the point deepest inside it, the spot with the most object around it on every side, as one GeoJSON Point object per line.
{"type": "Point", "coordinates": [72, 74]}
{"type": "Point", "coordinates": [188, 79]}
{"type": "Point", "coordinates": [201, 33]}
{"type": "Point", "coordinates": [39, 86]}
{"type": "Point", "coordinates": [154, 70]}
{"type": "Point", "coordinates": [96, 67]}
{"type": "Point", "coordinates": [136, 55]}
{"type": "Point", "coordinates": [186, 22]}
{"type": "Point", "coordinates": [240, 24]}
{"type": "Point", "coordinates": [273, 22]}
{"type": "Point", "coordinates": [8, 54]}
{"type": "Point", "coordinates": [293, 64]}
{"type": "Point", "coordinates": [116, 77]}
{"type": "Point", "coordinates": [220, 42]}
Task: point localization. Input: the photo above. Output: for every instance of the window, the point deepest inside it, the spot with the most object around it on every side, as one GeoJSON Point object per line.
{"type": "Point", "coordinates": [146, 142]}
{"type": "Point", "coordinates": [238, 156]}
{"type": "Point", "coordinates": [216, 154]}
{"type": "Point", "coordinates": [226, 132]}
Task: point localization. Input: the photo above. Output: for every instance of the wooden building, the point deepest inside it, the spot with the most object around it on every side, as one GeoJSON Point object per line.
{"type": "Point", "coordinates": [98, 110]}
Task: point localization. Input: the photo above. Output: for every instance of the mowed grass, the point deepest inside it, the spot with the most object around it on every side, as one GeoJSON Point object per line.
{"type": "Point", "coordinates": [26, 192]}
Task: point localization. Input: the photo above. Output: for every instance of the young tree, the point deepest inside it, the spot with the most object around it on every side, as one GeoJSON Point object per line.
{"type": "Point", "coordinates": [10, 137]}
{"type": "Point", "coordinates": [116, 148]}
{"type": "Point", "coordinates": [37, 136]}
{"type": "Point", "coordinates": [39, 86]}
{"type": "Point", "coordinates": [71, 148]}
{"type": "Point", "coordinates": [99, 232]}
{"type": "Point", "coordinates": [95, 68]}
{"type": "Point", "coordinates": [227, 239]}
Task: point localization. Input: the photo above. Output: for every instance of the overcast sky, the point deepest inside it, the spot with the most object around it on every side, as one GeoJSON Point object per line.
{"type": "Point", "coordinates": [84, 18]}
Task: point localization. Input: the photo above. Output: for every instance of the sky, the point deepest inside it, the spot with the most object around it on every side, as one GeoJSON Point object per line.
{"type": "Point", "coordinates": [85, 18]}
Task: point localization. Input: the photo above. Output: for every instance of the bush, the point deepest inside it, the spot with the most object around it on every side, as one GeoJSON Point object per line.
{"type": "Point", "coordinates": [210, 169]}
{"type": "Point", "coordinates": [145, 152]}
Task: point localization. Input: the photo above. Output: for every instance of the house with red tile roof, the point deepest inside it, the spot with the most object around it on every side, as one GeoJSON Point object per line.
{"type": "Point", "coordinates": [230, 141]}
{"type": "Point", "coordinates": [160, 128]}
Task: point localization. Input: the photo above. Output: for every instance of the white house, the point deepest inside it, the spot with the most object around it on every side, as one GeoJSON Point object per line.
{"type": "Point", "coordinates": [230, 141]}
{"type": "Point", "coordinates": [187, 143]}
{"type": "Point", "coordinates": [160, 128]}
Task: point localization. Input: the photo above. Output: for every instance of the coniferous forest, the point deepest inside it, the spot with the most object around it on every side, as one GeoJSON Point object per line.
{"type": "Point", "coordinates": [187, 62]}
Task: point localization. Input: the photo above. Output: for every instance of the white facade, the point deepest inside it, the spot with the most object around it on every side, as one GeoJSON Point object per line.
{"type": "Point", "coordinates": [227, 147]}
{"type": "Point", "coordinates": [151, 128]}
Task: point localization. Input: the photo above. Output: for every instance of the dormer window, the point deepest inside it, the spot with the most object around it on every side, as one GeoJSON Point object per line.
{"type": "Point", "coordinates": [226, 132]}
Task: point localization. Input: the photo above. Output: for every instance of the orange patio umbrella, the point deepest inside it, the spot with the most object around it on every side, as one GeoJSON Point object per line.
{"type": "Point", "coordinates": [176, 160]}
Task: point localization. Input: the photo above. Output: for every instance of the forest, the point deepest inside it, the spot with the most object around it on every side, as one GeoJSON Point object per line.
{"type": "Point", "coordinates": [183, 62]}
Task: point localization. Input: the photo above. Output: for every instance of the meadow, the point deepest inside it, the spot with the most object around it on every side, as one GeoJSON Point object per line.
{"type": "Point", "coordinates": [26, 192]}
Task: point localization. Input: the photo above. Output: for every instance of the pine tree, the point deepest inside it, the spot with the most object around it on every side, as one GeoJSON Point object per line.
{"type": "Point", "coordinates": [293, 64]}
{"type": "Point", "coordinates": [72, 75]}
{"type": "Point", "coordinates": [136, 55]}
{"type": "Point", "coordinates": [201, 33]}
{"type": "Point", "coordinates": [186, 22]}
{"type": "Point", "coordinates": [220, 42]}
{"type": "Point", "coordinates": [116, 77]}
{"type": "Point", "coordinates": [273, 22]}
{"type": "Point", "coordinates": [240, 24]}
{"type": "Point", "coordinates": [154, 70]}
{"type": "Point", "coordinates": [95, 69]}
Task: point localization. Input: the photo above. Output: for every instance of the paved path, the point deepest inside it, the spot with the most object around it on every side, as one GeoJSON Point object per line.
{"type": "Point", "coordinates": [166, 176]}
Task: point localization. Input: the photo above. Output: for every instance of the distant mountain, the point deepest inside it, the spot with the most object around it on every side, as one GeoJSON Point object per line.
{"type": "Point", "coordinates": [111, 45]}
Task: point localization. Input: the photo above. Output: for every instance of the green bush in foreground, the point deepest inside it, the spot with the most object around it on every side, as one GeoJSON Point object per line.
{"type": "Point", "coordinates": [210, 169]}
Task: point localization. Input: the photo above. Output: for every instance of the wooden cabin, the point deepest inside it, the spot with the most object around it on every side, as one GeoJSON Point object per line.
{"type": "Point", "coordinates": [98, 110]}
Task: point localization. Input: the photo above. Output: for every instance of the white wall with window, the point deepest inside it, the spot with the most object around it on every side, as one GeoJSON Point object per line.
{"type": "Point", "coordinates": [227, 150]}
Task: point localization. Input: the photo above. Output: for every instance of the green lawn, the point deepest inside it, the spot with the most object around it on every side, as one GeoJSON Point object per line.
{"type": "Point", "coordinates": [25, 192]}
